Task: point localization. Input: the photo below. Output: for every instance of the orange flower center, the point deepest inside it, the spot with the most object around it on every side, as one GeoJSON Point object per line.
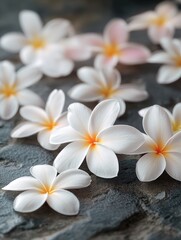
{"type": "Point", "coordinates": [111, 50]}
{"type": "Point", "coordinates": [160, 148]}
{"type": "Point", "coordinates": [92, 140]}
{"type": "Point", "coordinates": [50, 124]}
{"type": "Point", "coordinates": [8, 90]}
{"type": "Point", "coordinates": [37, 43]}
{"type": "Point", "coordinates": [47, 189]}
{"type": "Point", "coordinates": [159, 21]}
{"type": "Point", "coordinates": [177, 60]}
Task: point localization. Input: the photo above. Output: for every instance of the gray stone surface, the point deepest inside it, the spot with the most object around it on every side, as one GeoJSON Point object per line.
{"type": "Point", "coordinates": [120, 208]}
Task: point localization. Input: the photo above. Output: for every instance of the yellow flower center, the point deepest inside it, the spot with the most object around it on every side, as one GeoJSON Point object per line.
{"type": "Point", "coordinates": [37, 43]}
{"type": "Point", "coordinates": [92, 140]}
{"type": "Point", "coordinates": [111, 50]}
{"type": "Point", "coordinates": [159, 21]}
{"type": "Point", "coordinates": [177, 60]}
{"type": "Point", "coordinates": [107, 91]}
{"type": "Point", "coordinates": [50, 124]}
{"type": "Point", "coordinates": [176, 126]}
{"type": "Point", "coordinates": [47, 189]}
{"type": "Point", "coordinates": [8, 90]}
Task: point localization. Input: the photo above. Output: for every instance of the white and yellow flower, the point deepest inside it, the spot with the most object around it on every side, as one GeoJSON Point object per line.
{"type": "Point", "coordinates": [162, 151]}
{"type": "Point", "coordinates": [175, 116]}
{"type": "Point", "coordinates": [160, 23]}
{"type": "Point", "coordinates": [171, 58]}
{"type": "Point", "coordinates": [41, 121]}
{"type": "Point", "coordinates": [105, 84]}
{"type": "Point", "coordinates": [13, 88]}
{"type": "Point", "coordinates": [93, 136]}
{"type": "Point", "coordinates": [40, 46]}
{"type": "Point", "coordinates": [46, 186]}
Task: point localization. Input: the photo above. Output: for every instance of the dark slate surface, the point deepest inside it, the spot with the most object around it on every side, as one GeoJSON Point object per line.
{"type": "Point", "coordinates": [120, 208]}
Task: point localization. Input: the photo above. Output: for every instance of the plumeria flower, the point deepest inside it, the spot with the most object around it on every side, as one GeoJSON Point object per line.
{"type": "Point", "coordinates": [175, 116]}
{"type": "Point", "coordinates": [171, 58]}
{"type": "Point", "coordinates": [160, 23]}
{"type": "Point", "coordinates": [43, 121]}
{"type": "Point", "coordinates": [104, 84]}
{"type": "Point", "coordinates": [38, 45]}
{"type": "Point", "coordinates": [13, 88]}
{"type": "Point", "coordinates": [46, 186]}
{"type": "Point", "coordinates": [113, 46]}
{"type": "Point", "coordinates": [93, 136]}
{"type": "Point", "coordinates": [161, 148]}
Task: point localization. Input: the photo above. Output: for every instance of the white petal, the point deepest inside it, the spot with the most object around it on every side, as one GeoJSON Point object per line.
{"type": "Point", "coordinates": [23, 183]}
{"type": "Point", "coordinates": [72, 179]}
{"type": "Point", "coordinates": [29, 201]}
{"type": "Point", "coordinates": [121, 138]}
{"type": "Point", "coordinates": [174, 143]}
{"type": "Point", "coordinates": [33, 114]}
{"type": "Point", "coordinates": [146, 147]}
{"type": "Point", "coordinates": [160, 57]}
{"type": "Point", "coordinates": [177, 113]}
{"type": "Point", "coordinates": [71, 157]}
{"type": "Point", "coordinates": [28, 55]}
{"type": "Point", "coordinates": [168, 9]}
{"type": "Point", "coordinates": [102, 162]}
{"type": "Point", "coordinates": [55, 104]}
{"type": "Point", "coordinates": [112, 77]}
{"type": "Point", "coordinates": [9, 108]}
{"type": "Point", "coordinates": [44, 140]}
{"type": "Point", "coordinates": [130, 93]}
{"type": "Point", "coordinates": [173, 165]}
{"type": "Point", "coordinates": [62, 120]}
{"type": "Point", "coordinates": [56, 29]}
{"type": "Point", "coordinates": [150, 167]}
{"type": "Point", "coordinates": [64, 135]}
{"type": "Point", "coordinates": [168, 74]}
{"type": "Point", "coordinates": [102, 61]}
{"type": "Point", "coordinates": [25, 129]}
{"type": "Point", "coordinates": [78, 117]}
{"type": "Point", "coordinates": [27, 97]}
{"type": "Point", "coordinates": [30, 23]}
{"type": "Point", "coordinates": [157, 125]}
{"type": "Point", "coordinates": [13, 42]}
{"type": "Point", "coordinates": [156, 33]}
{"type": "Point", "coordinates": [64, 202]}
{"type": "Point", "coordinates": [91, 76]}
{"type": "Point", "coordinates": [46, 174]}
{"type": "Point", "coordinates": [122, 106]}
{"type": "Point", "coordinates": [7, 73]}
{"type": "Point", "coordinates": [28, 76]}
{"type": "Point", "coordinates": [54, 66]}
{"type": "Point", "coordinates": [143, 111]}
{"type": "Point", "coordinates": [103, 116]}
{"type": "Point", "coordinates": [84, 92]}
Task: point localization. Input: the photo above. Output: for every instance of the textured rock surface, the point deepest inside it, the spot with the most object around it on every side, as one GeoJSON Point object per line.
{"type": "Point", "coordinates": [120, 208]}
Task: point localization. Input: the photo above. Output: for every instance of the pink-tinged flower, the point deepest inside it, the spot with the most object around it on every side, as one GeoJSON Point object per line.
{"type": "Point", "coordinates": [14, 91]}
{"type": "Point", "coordinates": [161, 148]}
{"type": "Point", "coordinates": [160, 23]}
{"type": "Point", "coordinates": [113, 46]}
{"type": "Point", "coordinates": [46, 186]}
{"type": "Point", "coordinates": [175, 116]}
{"type": "Point", "coordinates": [38, 45]}
{"type": "Point", "coordinates": [105, 84]}
{"type": "Point", "coordinates": [171, 58]}
{"type": "Point", "coordinates": [43, 121]}
{"type": "Point", "coordinates": [93, 136]}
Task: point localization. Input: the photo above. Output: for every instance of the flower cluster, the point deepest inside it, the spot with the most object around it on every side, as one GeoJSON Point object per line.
{"type": "Point", "coordinates": [52, 50]}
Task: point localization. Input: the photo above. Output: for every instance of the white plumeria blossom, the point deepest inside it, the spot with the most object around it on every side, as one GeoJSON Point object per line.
{"type": "Point", "coordinates": [160, 23]}
{"type": "Point", "coordinates": [43, 121]}
{"type": "Point", "coordinates": [46, 186]}
{"type": "Point", "coordinates": [92, 135]}
{"type": "Point", "coordinates": [14, 91]}
{"type": "Point", "coordinates": [113, 46]}
{"type": "Point", "coordinates": [161, 149]}
{"type": "Point", "coordinates": [105, 84]}
{"type": "Point", "coordinates": [40, 46]}
{"type": "Point", "coordinates": [175, 116]}
{"type": "Point", "coordinates": [171, 58]}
